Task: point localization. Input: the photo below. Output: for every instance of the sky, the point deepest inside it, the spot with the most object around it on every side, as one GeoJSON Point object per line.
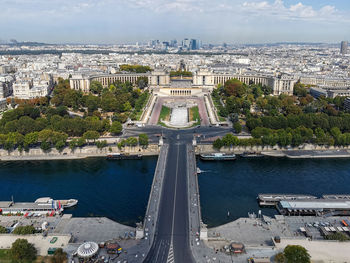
{"type": "Point", "coordinates": [212, 21]}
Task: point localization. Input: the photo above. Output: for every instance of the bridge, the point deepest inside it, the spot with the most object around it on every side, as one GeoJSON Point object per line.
{"type": "Point", "coordinates": [172, 223]}
{"type": "Point", "coordinates": [169, 225]}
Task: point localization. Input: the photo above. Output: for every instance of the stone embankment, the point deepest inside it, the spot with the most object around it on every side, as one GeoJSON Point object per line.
{"type": "Point", "coordinates": [304, 152]}
{"type": "Point", "coordinates": [78, 153]}
{"type": "Point", "coordinates": [308, 151]}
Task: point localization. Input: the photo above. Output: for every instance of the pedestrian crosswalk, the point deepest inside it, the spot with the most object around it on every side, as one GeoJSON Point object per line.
{"type": "Point", "coordinates": [171, 254]}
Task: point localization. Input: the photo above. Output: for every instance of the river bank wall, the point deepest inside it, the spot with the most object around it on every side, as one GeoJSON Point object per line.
{"type": "Point", "coordinates": [77, 153]}
{"type": "Point", "coordinates": [308, 151]}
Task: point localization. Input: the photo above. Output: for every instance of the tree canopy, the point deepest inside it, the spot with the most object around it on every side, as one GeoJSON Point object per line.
{"type": "Point", "coordinates": [296, 254]}
{"type": "Point", "coordinates": [22, 251]}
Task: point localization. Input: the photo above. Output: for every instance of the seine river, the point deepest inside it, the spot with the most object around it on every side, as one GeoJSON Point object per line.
{"type": "Point", "coordinates": [234, 186]}
{"type": "Point", "coordinates": [115, 189]}
{"type": "Point", "coordinates": [120, 189]}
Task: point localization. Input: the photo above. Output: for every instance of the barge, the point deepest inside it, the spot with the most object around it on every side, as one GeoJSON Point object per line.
{"type": "Point", "coordinates": [65, 203]}
{"type": "Point", "coordinates": [124, 156]}
{"type": "Point", "coordinates": [318, 207]}
{"type": "Point", "coordinates": [217, 157]}
{"type": "Point", "coordinates": [336, 197]}
{"type": "Point", "coordinates": [41, 206]}
{"type": "Point", "coordinates": [274, 199]}
{"type": "Point", "coordinates": [29, 208]}
{"type": "Point", "coordinates": [251, 155]}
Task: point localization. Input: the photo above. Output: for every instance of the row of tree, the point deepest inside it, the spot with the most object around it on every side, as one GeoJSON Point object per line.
{"type": "Point", "coordinates": [286, 137]}
{"type": "Point", "coordinates": [309, 120]}
{"type": "Point", "coordinates": [142, 140]}
{"type": "Point", "coordinates": [135, 68]}
{"type": "Point", "coordinates": [118, 97]}
{"type": "Point", "coordinates": [24, 252]}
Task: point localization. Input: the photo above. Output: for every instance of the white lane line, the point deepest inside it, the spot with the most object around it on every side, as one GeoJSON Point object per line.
{"type": "Point", "coordinates": [174, 207]}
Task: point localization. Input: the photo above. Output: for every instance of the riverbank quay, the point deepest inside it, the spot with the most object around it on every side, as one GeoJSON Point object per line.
{"type": "Point", "coordinates": [310, 154]}
{"type": "Point", "coordinates": [37, 154]}
{"type": "Point", "coordinates": [259, 236]}
{"type": "Point", "coordinates": [70, 232]}
{"type": "Point", "coordinates": [303, 152]}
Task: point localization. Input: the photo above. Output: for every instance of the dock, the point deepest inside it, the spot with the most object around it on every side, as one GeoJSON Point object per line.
{"type": "Point", "coordinates": [317, 207]}
{"type": "Point", "coordinates": [274, 199]}
{"type": "Point", "coordinates": [336, 197]}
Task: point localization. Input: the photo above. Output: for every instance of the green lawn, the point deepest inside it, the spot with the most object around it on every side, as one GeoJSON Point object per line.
{"type": "Point", "coordinates": [194, 115]}
{"type": "Point", "coordinates": [164, 114]}
{"type": "Point", "coordinates": [5, 256]}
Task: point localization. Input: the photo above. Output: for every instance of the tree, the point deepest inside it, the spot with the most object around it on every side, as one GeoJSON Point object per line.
{"type": "Point", "coordinates": [127, 106]}
{"type": "Point", "coordinates": [131, 141]}
{"type": "Point", "coordinates": [279, 258]}
{"type": "Point", "coordinates": [60, 145]}
{"type": "Point", "coordinates": [45, 146]}
{"type": "Point", "coordinates": [237, 127]}
{"type": "Point", "coordinates": [234, 87]}
{"type": "Point", "coordinates": [229, 140]}
{"type": "Point", "coordinates": [143, 139]}
{"type": "Point", "coordinates": [257, 91]}
{"type": "Point", "coordinates": [59, 256]}
{"type": "Point", "coordinates": [142, 82]}
{"type": "Point", "coordinates": [92, 102]}
{"type": "Point", "coordinates": [22, 251]}
{"type": "Point", "coordinates": [116, 127]}
{"type": "Point", "coordinates": [91, 135]}
{"type": "Point", "coordinates": [218, 144]}
{"type": "Point", "coordinates": [299, 90]}
{"type": "Point", "coordinates": [101, 144]}
{"type": "Point", "coordinates": [338, 236]}
{"type": "Point", "coordinates": [30, 139]}
{"type": "Point", "coordinates": [296, 254]}
{"type": "Point", "coordinates": [96, 87]}
{"type": "Point", "coordinates": [24, 230]}
{"type": "Point", "coordinates": [3, 230]}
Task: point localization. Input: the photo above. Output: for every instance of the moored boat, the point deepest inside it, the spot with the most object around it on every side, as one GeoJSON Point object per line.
{"type": "Point", "coordinates": [124, 156]}
{"type": "Point", "coordinates": [65, 203]}
{"type": "Point", "coordinates": [251, 155]}
{"type": "Point", "coordinates": [217, 157]}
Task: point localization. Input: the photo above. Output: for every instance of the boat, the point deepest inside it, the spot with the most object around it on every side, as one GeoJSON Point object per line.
{"type": "Point", "coordinates": [251, 155]}
{"type": "Point", "coordinates": [124, 156]}
{"type": "Point", "coordinates": [217, 157]}
{"type": "Point", "coordinates": [199, 171]}
{"type": "Point", "coordinates": [274, 199]}
{"type": "Point", "coordinates": [65, 203]}
{"type": "Point", "coordinates": [30, 208]}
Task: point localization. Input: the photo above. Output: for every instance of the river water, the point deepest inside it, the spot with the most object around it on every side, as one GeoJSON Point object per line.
{"type": "Point", "coordinates": [120, 189]}
{"type": "Point", "coordinates": [234, 186]}
{"type": "Point", "coordinates": [117, 189]}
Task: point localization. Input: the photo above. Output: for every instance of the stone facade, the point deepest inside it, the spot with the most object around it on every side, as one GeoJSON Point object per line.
{"type": "Point", "coordinates": [202, 81]}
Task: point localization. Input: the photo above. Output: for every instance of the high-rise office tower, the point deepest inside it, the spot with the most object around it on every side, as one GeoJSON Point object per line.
{"type": "Point", "coordinates": [344, 47]}
{"type": "Point", "coordinates": [186, 43]}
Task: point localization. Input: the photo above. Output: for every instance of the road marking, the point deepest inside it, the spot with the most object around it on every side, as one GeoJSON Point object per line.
{"type": "Point", "coordinates": [171, 254]}
{"type": "Point", "coordinates": [158, 249]}
{"type": "Point", "coordinates": [174, 207]}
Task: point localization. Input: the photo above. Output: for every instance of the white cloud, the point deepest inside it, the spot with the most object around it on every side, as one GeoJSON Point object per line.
{"type": "Point", "coordinates": [298, 11]}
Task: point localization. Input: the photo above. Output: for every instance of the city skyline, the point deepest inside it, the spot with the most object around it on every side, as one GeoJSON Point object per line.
{"type": "Point", "coordinates": [116, 22]}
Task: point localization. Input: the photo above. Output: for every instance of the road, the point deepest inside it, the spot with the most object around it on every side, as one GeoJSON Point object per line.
{"type": "Point", "coordinates": [171, 240]}
{"type": "Point", "coordinates": [186, 135]}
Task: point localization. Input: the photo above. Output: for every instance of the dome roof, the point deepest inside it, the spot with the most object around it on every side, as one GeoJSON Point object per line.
{"type": "Point", "coordinates": [87, 249]}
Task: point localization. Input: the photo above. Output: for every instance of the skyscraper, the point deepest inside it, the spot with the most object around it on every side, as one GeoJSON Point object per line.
{"type": "Point", "coordinates": [344, 47]}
